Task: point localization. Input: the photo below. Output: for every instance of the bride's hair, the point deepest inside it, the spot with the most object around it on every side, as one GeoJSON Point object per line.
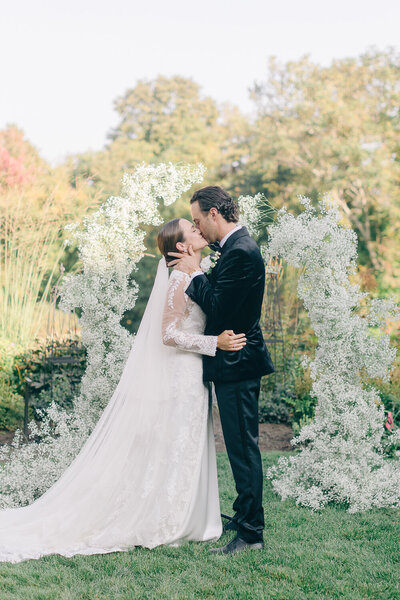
{"type": "Point", "coordinates": [167, 238]}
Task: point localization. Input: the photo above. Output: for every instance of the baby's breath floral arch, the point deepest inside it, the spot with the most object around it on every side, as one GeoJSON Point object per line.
{"type": "Point", "coordinates": [344, 454]}
{"type": "Point", "coordinates": [110, 245]}
{"type": "Point", "coordinates": [342, 457]}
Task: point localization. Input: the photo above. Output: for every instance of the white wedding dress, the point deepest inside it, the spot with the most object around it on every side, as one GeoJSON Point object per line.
{"type": "Point", "coordinates": [147, 474]}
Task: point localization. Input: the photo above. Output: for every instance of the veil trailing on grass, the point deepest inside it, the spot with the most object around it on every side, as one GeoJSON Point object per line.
{"type": "Point", "coordinates": [134, 482]}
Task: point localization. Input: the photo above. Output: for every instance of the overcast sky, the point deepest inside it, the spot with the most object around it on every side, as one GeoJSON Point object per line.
{"type": "Point", "coordinates": [64, 62]}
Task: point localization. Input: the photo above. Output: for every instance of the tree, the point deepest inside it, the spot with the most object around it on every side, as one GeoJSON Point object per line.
{"type": "Point", "coordinates": [35, 204]}
{"type": "Point", "coordinates": [334, 129]}
{"type": "Point", "coordinates": [19, 160]}
{"type": "Point", "coordinates": [161, 120]}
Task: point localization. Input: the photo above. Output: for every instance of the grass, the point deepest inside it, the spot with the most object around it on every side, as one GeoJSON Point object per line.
{"type": "Point", "coordinates": [307, 556]}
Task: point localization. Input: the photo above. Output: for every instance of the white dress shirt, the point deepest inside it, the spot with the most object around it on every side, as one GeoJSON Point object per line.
{"type": "Point", "coordinates": [222, 242]}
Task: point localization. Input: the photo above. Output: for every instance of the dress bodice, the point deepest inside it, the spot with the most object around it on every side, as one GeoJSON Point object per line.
{"type": "Point", "coordinates": [183, 320]}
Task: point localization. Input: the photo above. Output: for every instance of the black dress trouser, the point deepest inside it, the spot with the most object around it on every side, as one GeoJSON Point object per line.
{"type": "Point", "coordinates": [238, 409]}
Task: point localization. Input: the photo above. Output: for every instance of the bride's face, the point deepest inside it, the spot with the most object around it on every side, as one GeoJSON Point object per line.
{"type": "Point", "coordinates": [192, 237]}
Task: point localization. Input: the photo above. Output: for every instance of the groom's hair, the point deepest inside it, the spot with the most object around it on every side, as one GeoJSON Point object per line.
{"type": "Point", "coordinates": [167, 238]}
{"type": "Point", "coordinates": [214, 196]}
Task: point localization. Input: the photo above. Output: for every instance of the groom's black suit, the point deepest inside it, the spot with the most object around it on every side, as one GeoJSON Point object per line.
{"type": "Point", "coordinates": [232, 299]}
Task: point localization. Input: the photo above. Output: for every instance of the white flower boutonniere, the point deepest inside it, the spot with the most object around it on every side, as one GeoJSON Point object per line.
{"type": "Point", "coordinates": [209, 262]}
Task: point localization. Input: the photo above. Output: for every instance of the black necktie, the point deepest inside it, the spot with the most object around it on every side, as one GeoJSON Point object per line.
{"type": "Point", "coordinates": [215, 247]}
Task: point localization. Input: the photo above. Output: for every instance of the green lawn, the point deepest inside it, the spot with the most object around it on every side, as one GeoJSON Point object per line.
{"type": "Point", "coordinates": [307, 556]}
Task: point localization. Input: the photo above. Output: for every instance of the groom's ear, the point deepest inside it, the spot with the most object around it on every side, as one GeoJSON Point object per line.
{"type": "Point", "coordinates": [213, 212]}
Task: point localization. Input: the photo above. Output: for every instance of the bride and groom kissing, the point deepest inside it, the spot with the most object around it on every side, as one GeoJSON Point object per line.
{"type": "Point", "coordinates": [147, 474]}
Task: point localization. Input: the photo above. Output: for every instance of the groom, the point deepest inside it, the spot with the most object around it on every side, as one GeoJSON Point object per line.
{"type": "Point", "coordinates": [231, 298]}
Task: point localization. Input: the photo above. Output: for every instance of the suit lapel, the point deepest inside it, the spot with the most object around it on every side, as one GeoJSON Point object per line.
{"type": "Point", "coordinates": [232, 239]}
{"type": "Point", "coordinates": [228, 244]}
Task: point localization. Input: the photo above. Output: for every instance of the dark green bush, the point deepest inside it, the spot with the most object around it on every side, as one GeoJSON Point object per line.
{"type": "Point", "coordinates": [48, 380]}
{"type": "Point", "coordinates": [34, 364]}
{"type": "Point", "coordinates": [289, 402]}
{"type": "Point", "coordinates": [273, 405]}
{"type": "Point", "coordinates": [11, 405]}
{"type": "Point", "coordinates": [61, 392]}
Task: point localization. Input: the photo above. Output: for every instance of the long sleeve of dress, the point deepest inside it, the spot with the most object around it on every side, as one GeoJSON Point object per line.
{"type": "Point", "coordinates": [172, 332]}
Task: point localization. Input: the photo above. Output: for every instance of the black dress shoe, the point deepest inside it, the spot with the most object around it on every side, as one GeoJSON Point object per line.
{"type": "Point", "coordinates": [236, 545]}
{"type": "Point", "coordinates": [230, 526]}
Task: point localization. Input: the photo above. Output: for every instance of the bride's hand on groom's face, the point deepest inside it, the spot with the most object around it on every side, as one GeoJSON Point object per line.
{"type": "Point", "coordinates": [185, 262]}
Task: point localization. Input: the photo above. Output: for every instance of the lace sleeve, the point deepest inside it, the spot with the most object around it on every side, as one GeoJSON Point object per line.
{"type": "Point", "coordinates": [172, 333]}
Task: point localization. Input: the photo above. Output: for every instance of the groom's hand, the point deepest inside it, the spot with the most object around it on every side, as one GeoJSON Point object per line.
{"type": "Point", "coordinates": [188, 263]}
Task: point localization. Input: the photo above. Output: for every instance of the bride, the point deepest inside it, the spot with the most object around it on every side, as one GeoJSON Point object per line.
{"type": "Point", "coordinates": [147, 474]}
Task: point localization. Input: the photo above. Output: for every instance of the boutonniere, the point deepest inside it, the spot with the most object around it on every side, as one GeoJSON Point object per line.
{"type": "Point", "coordinates": [209, 262]}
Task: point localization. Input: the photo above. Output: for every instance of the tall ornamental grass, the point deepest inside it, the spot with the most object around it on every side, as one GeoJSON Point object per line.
{"type": "Point", "coordinates": [29, 261]}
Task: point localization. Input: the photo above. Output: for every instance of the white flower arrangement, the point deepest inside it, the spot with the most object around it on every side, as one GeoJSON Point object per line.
{"type": "Point", "coordinates": [110, 244]}
{"type": "Point", "coordinates": [208, 262]}
{"type": "Point", "coordinates": [341, 458]}
{"type": "Point", "coordinates": [255, 213]}
{"type": "Point", "coordinates": [250, 213]}
{"type": "Point", "coordinates": [342, 455]}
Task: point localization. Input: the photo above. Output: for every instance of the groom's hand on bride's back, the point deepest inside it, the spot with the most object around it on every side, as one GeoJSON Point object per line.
{"type": "Point", "coordinates": [229, 341]}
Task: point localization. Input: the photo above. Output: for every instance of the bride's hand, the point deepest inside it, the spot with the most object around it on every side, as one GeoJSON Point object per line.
{"type": "Point", "coordinates": [228, 340]}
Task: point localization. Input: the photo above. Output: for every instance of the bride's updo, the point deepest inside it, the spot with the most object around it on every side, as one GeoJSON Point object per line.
{"type": "Point", "coordinates": [167, 238]}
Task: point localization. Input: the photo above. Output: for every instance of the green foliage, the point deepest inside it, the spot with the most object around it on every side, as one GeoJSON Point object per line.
{"type": "Point", "coordinates": [11, 402]}
{"type": "Point", "coordinates": [302, 403]}
{"type": "Point", "coordinates": [290, 402]}
{"type": "Point", "coordinates": [8, 351]}
{"type": "Point", "coordinates": [389, 393]}
{"type": "Point", "coordinates": [161, 120]}
{"type": "Point", "coordinates": [18, 363]}
{"type": "Point", "coordinates": [274, 404]}
{"type": "Point", "coordinates": [48, 381]}
{"type": "Point", "coordinates": [293, 398]}
{"type": "Point", "coordinates": [11, 405]}
{"type": "Point", "coordinates": [390, 396]}
{"type": "Point", "coordinates": [61, 393]}
{"type": "Point", "coordinates": [333, 129]}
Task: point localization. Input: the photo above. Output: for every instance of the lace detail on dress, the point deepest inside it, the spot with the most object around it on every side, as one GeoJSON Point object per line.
{"type": "Point", "coordinates": [174, 281]}
{"type": "Point", "coordinates": [183, 320]}
{"type": "Point", "coordinates": [147, 474]}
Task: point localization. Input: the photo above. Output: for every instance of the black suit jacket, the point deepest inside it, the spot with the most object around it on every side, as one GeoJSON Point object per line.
{"type": "Point", "coordinates": [232, 299]}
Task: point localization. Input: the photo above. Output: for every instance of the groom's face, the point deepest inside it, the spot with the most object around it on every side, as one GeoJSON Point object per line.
{"type": "Point", "coordinates": [204, 222]}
